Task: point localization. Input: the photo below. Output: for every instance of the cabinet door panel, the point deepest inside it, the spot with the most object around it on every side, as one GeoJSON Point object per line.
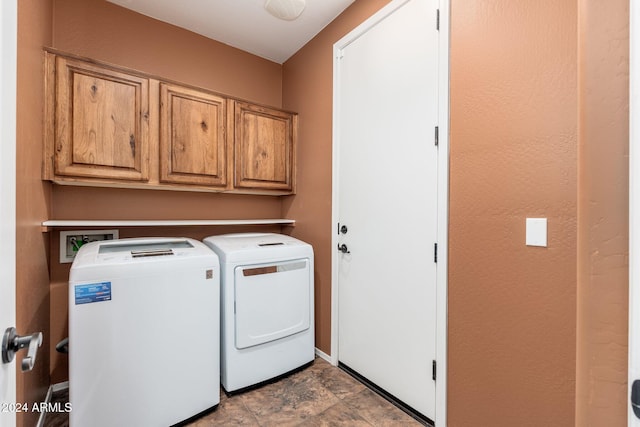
{"type": "Point", "coordinates": [101, 122]}
{"type": "Point", "coordinates": [104, 122]}
{"type": "Point", "coordinates": [264, 144]}
{"type": "Point", "coordinates": [192, 138]}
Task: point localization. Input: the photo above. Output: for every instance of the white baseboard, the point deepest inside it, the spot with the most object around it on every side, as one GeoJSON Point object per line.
{"type": "Point", "coordinates": [322, 355]}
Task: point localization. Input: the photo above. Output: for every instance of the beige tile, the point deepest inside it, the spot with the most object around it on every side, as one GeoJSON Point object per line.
{"type": "Point", "coordinates": [338, 381]}
{"type": "Point", "coordinates": [290, 401]}
{"type": "Point", "coordinates": [230, 412]}
{"type": "Point", "coordinates": [336, 416]}
{"type": "Point", "coordinates": [378, 411]}
{"type": "Point", "coordinates": [318, 365]}
{"type": "Point", "coordinates": [320, 395]}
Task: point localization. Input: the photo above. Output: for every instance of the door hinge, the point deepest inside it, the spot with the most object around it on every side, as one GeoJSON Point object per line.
{"type": "Point", "coordinates": [437, 135]}
{"type": "Point", "coordinates": [438, 19]}
{"type": "Point", "coordinates": [435, 252]}
{"type": "Point", "coordinates": [433, 370]}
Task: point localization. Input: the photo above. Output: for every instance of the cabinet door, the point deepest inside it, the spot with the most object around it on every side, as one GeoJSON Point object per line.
{"type": "Point", "coordinates": [101, 128]}
{"type": "Point", "coordinates": [264, 148]}
{"type": "Point", "coordinates": [193, 148]}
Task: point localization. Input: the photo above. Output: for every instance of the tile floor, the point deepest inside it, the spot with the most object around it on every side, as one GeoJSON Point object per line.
{"type": "Point", "coordinates": [319, 395]}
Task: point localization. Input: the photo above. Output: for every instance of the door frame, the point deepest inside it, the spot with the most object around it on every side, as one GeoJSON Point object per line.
{"type": "Point", "coordinates": [442, 198]}
{"type": "Point", "coordinates": [634, 204]}
{"type": "Point", "coordinates": [8, 99]}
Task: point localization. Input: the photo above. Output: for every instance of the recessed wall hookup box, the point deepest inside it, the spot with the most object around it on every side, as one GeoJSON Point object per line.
{"type": "Point", "coordinates": [72, 241]}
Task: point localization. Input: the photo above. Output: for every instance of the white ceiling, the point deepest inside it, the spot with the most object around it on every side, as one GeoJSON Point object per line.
{"type": "Point", "coordinates": [243, 24]}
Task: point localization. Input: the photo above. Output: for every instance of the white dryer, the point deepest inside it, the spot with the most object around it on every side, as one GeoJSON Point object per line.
{"type": "Point", "coordinates": [143, 332]}
{"type": "Point", "coordinates": [266, 306]}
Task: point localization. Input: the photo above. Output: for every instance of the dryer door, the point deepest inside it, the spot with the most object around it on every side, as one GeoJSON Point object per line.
{"type": "Point", "coordinates": [272, 301]}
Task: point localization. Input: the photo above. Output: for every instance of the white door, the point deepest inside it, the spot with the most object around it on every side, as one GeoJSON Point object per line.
{"type": "Point", "coordinates": [387, 180]}
{"type": "Point", "coordinates": [634, 218]}
{"type": "Point", "coordinates": [8, 47]}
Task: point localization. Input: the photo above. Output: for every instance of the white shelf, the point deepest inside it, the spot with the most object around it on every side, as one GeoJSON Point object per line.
{"type": "Point", "coordinates": [163, 223]}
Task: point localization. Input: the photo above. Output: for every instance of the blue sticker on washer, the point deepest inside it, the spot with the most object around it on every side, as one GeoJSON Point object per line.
{"type": "Point", "coordinates": [93, 292]}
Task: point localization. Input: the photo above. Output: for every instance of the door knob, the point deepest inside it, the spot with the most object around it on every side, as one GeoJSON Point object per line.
{"type": "Point", "coordinates": [12, 343]}
{"type": "Point", "coordinates": [635, 398]}
{"type": "Point", "coordinates": [343, 248]}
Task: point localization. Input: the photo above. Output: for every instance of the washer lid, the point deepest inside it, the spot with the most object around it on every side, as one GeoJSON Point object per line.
{"type": "Point", "coordinates": [139, 250]}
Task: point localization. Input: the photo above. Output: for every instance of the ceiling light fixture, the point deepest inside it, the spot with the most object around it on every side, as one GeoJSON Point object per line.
{"type": "Point", "coordinates": [285, 9]}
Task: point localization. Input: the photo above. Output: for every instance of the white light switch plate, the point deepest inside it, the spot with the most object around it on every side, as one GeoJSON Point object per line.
{"type": "Point", "coordinates": [537, 232]}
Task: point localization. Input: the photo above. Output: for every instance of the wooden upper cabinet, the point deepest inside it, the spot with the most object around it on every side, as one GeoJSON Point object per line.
{"type": "Point", "coordinates": [193, 147]}
{"type": "Point", "coordinates": [114, 127]}
{"type": "Point", "coordinates": [264, 143]}
{"type": "Point", "coordinates": [101, 127]}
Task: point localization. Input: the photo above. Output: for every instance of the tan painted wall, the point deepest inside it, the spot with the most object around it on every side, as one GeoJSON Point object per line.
{"type": "Point", "coordinates": [510, 158]}
{"type": "Point", "coordinates": [100, 30]}
{"type": "Point", "coordinates": [513, 154]}
{"type": "Point", "coordinates": [33, 200]}
{"type": "Point", "coordinates": [603, 255]}
{"type": "Point", "coordinates": [104, 31]}
{"type": "Point", "coordinates": [512, 309]}
{"type": "Point", "coordinates": [523, 86]}
{"type": "Point", "coordinates": [512, 313]}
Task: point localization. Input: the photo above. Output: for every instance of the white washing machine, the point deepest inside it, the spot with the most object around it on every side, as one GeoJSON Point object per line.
{"type": "Point", "coordinates": [144, 328]}
{"type": "Point", "coordinates": [267, 306]}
